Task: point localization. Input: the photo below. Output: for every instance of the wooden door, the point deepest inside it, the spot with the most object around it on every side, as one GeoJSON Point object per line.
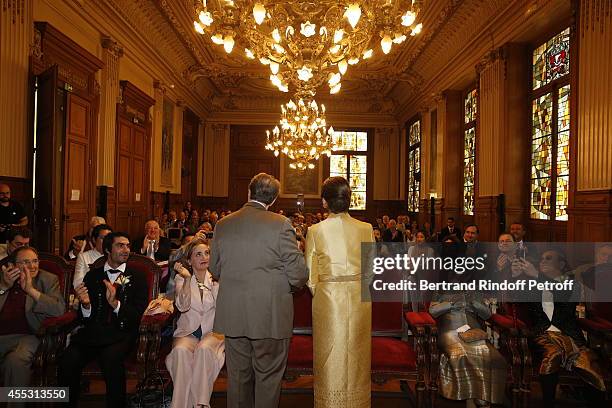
{"type": "Point", "coordinates": [49, 119]}
{"type": "Point", "coordinates": [78, 170]}
{"type": "Point", "coordinates": [131, 178]}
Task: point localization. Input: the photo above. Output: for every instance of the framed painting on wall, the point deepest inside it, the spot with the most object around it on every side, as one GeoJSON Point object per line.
{"type": "Point", "coordinates": [167, 144]}
{"type": "Point", "coordinates": [294, 182]}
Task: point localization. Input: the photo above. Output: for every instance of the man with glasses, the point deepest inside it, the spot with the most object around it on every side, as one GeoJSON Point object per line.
{"type": "Point", "coordinates": [18, 237]}
{"type": "Point", "coordinates": [28, 295]}
{"type": "Point", "coordinates": [12, 213]}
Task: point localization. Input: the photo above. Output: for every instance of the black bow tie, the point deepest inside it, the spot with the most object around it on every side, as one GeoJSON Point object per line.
{"type": "Point", "coordinates": [113, 271]}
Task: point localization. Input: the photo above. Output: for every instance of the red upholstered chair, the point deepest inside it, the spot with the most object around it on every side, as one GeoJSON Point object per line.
{"type": "Point", "coordinates": [300, 360]}
{"type": "Point", "coordinates": [136, 364]}
{"type": "Point", "coordinates": [45, 359]}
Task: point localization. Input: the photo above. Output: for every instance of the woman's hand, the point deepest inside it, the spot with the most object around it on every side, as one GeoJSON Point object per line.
{"type": "Point", "coordinates": [181, 270]}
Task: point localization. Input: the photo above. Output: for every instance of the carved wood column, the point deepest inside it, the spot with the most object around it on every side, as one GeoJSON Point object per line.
{"type": "Point", "coordinates": [109, 97]}
{"type": "Point", "coordinates": [502, 141]}
{"type": "Point", "coordinates": [590, 207]}
{"type": "Point", "coordinates": [15, 39]}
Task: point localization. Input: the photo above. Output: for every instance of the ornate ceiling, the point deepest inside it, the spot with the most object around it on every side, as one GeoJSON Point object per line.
{"type": "Point", "coordinates": [383, 84]}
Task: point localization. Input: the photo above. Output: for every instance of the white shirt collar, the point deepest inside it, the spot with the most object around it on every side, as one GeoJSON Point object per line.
{"type": "Point", "coordinates": [121, 268]}
{"type": "Point", "coordinates": [260, 203]}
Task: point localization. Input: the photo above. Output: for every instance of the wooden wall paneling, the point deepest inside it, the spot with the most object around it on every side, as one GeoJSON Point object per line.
{"type": "Point", "coordinates": [453, 154]}
{"type": "Point", "coordinates": [487, 218]}
{"type": "Point", "coordinates": [133, 141]}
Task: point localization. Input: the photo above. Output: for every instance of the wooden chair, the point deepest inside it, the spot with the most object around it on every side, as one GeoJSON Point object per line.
{"type": "Point", "coordinates": [44, 362]}
{"type": "Point", "coordinates": [513, 324]}
{"type": "Point", "coordinates": [511, 346]}
{"type": "Point", "coordinates": [136, 363]}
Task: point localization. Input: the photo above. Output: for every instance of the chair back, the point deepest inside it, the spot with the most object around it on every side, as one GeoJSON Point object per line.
{"type": "Point", "coordinates": [302, 310]}
{"type": "Point", "coordinates": [146, 265]}
{"type": "Point", "coordinates": [387, 318]}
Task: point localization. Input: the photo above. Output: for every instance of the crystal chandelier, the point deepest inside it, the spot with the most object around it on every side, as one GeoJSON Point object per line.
{"type": "Point", "coordinates": [308, 43]}
{"type": "Point", "coordinates": [301, 134]}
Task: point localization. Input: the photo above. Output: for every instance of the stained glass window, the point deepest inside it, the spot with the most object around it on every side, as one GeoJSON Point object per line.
{"type": "Point", "coordinates": [469, 150]}
{"type": "Point", "coordinates": [550, 130]}
{"type": "Point", "coordinates": [414, 166]}
{"type": "Point", "coordinates": [349, 160]}
{"type": "Point", "coordinates": [551, 60]}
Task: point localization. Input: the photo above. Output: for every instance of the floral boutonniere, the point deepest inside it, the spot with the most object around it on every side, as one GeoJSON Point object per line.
{"type": "Point", "coordinates": [122, 280]}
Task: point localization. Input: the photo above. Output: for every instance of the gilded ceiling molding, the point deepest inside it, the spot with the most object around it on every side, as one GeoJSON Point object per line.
{"type": "Point", "coordinates": [153, 26]}
{"type": "Point", "coordinates": [443, 17]}
{"type": "Point", "coordinates": [166, 10]}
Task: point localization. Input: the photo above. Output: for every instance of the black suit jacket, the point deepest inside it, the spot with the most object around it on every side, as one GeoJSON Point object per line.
{"type": "Point", "coordinates": [563, 318]}
{"type": "Point", "coordinates": [163, 252]}
{"type": "Point", "coordinates": [445, 232]}
{"type": "Point", "coordinates": [104, 326]}
{"type": "Point", "coordinates": [388, 237]}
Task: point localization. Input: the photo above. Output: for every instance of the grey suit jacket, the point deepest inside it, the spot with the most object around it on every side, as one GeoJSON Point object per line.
{"type": "Point", "coordinates": [50, 304]}
{"type": "Point", "coordinates": [255, 257]}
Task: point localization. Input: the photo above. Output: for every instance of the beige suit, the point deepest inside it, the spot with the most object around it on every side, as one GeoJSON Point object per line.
{"type": "Point", "coordinates": [255, 256]}
{"type": "Point", "coordinates": [341, 321]}
{"type": "Point", "coordinates": [195, 364]}
{"type": "Point", "coordinates": [17, 351]}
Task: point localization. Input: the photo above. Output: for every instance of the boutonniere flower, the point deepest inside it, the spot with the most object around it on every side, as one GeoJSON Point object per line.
{"type": "Point", "coordinates": [122, 280]}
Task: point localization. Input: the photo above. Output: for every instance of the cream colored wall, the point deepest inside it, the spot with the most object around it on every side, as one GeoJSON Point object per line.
{"type": "Point", "coordinates": [15, 38]}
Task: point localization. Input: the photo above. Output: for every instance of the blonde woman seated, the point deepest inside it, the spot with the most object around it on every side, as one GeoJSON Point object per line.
{"type": "Point", "coordinates": [197, 354]}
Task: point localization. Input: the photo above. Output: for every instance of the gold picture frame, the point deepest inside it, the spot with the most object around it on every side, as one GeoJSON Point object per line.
{"type": "Point", "coordinates": [294, 182]}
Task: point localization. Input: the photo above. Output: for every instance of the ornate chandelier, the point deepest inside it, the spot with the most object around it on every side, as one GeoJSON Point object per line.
{"type": "Point", "coordinates": [308, 43]}
{"type": "Point", "coordinates": [301, 134]}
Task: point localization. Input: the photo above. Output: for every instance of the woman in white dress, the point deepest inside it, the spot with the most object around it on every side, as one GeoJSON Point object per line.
{"type": "Point", "coordinates": [197, 354]}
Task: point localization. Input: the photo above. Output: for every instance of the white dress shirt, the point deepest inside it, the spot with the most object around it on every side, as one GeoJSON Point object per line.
{"type": "Point", "coordinates": [112, 277]}
{"type": "Point", "coordinates": [82, 265]}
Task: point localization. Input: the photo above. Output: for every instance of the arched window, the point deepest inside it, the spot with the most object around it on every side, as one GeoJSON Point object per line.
{"type": "Point", "coordinates": [414, 165]}
{"type": "Point", "coordinates": [550, 129]}
{"type": "Point", "coordinates": [350, 160]}
{"type": "Point", "coordinates": [470, 104]}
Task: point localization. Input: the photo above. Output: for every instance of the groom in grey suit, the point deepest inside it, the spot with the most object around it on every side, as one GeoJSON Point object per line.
{"type": "Point", "coordinates": [255, 257]}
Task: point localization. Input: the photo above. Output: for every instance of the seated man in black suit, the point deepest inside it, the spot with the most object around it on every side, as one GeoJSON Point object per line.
{"type": "Point", "coordinates": [153, 243]}
{"type": "Point", "coordinates": [554, 330]}
{"type": "Point", "coordinates": [450, 229]}
{"type": "Point", "coordinates": [113, 300]}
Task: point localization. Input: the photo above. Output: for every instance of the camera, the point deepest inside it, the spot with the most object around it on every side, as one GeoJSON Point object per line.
{"type": "Point", "coordinates": [300, 202]}
{"type": "Point", "coordinates": [209, 235]}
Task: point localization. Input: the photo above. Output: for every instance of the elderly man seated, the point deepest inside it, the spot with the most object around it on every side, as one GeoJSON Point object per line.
{"type": "Point", "coordinates": [153, 244]}
{"type": "Point", "coordinates": [28, 295]}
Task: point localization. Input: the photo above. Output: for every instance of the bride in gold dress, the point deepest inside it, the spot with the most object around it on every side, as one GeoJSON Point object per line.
{"type": "Point", "coordinates": [341, 320]}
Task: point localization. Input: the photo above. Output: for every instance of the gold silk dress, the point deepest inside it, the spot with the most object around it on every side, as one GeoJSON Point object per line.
{"type": "Point", "coordinates": [341, 322]}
